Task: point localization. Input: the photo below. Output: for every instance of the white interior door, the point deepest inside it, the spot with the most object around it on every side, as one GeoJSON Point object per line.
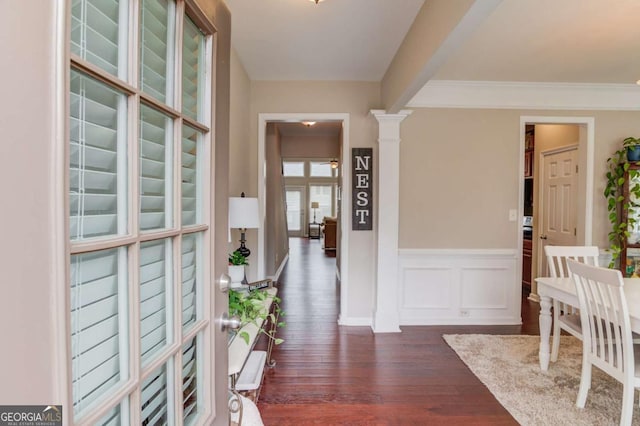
{"type": "Point", "coordinates": [558, 213]}
{"type": "Point", "coordinates": [295, 198]}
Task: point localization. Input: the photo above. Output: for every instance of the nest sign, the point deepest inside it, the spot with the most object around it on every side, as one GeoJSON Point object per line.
{"type": "Point", "coordinates": [361, 178]}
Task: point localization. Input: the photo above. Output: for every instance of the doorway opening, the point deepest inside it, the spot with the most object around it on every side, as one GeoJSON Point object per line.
{"type": "Point", "coordinates": [340, 193]}
{"type": "Point", "coordinates": [553, 151]}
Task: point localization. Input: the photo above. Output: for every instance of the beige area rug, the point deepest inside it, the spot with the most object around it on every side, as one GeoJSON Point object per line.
{"type": "Point", "coordinates": [508, 366]}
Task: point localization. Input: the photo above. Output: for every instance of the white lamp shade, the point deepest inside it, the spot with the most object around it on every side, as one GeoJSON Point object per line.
{"type": "Point", "coordinates": [243, 212]}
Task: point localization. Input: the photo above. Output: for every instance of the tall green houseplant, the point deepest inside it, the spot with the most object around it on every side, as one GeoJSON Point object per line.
{"type": "Point", "coordinates": [619, 207]}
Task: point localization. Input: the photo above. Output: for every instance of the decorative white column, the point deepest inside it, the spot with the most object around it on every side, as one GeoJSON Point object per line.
{"type": "Point", "coordinates": [385, 317]}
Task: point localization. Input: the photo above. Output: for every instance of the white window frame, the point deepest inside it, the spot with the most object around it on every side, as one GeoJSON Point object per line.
{"type": "Point", "coordinates": [128, 392]}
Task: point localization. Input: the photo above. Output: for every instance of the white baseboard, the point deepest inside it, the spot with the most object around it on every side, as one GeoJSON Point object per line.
{"type": "Point", "coordinates": [276, 276]}
{"type": "Point", "coordinates": [355, 321]}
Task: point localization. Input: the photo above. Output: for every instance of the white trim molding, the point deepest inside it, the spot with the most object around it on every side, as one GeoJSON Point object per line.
{"type": "Point", "coordinates": [527, 95]}
{"type": "Point", "coordinates": [458, 287]}
{"type": "Point", "coordinates": [276, 276]}
{"type": "Point", "coordinates": [385, 315]}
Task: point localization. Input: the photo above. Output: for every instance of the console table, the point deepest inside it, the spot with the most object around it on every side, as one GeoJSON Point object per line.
{"type": "Point", "coordinates": [246, 365]}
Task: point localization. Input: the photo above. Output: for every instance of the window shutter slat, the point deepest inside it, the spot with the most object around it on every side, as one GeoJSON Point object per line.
{"type": "Point", "coordinates": [189, 279]}
{"type": "Point", "coordinates": [154, 168]}
{"type": "Point", "coordinates": [154, 273]}
{"type": "Point", "coordinates": [94, 157]}
{"type": "Point", "coordinates": [112, 418]}
{"type": "Point", "coordinates": [95, 32]}
{"type": "Point", "coordinates": [95, 330]}
{"type": "Point", "coordinates": [155, 30]}
{"type": "Point", "coordinates": [189, 381]}
{"type": "Point", "coordinates": [154, 398]}
{"type": "Point", "coordinates": [192, 46]}
{"type": "Point", "coordinates": [189, 175]}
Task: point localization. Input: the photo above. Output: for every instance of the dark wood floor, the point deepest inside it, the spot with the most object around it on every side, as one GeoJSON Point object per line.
{"type": "Point", "coordinates": [332, 375]}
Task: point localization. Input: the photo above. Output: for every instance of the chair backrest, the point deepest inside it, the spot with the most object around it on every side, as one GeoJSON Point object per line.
{"type": "Point", "coordinates": [606, 327]}
{"type": "Point", "coordinates": [557, 258]}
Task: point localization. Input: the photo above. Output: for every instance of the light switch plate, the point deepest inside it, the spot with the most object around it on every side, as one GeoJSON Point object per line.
{"type": "Point", "coordinates": [513, 215]}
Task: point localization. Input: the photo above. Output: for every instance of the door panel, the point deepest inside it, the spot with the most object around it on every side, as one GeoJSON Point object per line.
{"type": "Point", "coordinates": [295, 210]}
{"type": "Point", "coordinates": [559, 202]}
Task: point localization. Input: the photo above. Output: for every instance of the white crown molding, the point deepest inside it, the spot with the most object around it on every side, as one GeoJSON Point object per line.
{"type": "Point", "coordinates": [526, 95]}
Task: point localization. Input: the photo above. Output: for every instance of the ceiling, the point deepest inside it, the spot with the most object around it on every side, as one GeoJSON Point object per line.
{"type": "Point", "coordinates": [334, 40]}
{"type": "Point", "coordinates": [582, 41]}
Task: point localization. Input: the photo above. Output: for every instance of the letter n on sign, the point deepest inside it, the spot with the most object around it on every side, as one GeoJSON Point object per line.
{"type": "Point", "coordinates": [361, 182]}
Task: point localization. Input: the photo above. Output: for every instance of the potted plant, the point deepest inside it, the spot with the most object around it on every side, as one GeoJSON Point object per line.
{"type": "Point", "coordinates": [237, 263]}
{"type": "Point", "coordinates": [632, 145]}
{"type": "Point", "coordinates": [618, 165]}
{"type": "Point", "coordinates": [250, 306]}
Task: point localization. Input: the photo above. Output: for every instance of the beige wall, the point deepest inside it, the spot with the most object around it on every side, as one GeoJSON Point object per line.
{"type": "Point", "coordinates": [357, 99]}
{"type": "Point", "coordinates": [310, 147]}
{"type": "Point", "coordinates": [276, 235]}
{"type": "Point", "coordinates": [459, 174]}
{"type": "Point", "coordinates": [239, 175]}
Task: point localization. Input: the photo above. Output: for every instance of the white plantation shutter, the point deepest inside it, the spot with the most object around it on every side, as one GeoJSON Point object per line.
{"type": "Point", "coordinates": [96, 33]}
{"type": "Point", "coordinates": [156, 27]}
{"type": "Point", "coordinates": [154, 398]}
{"type": "Point", "coordinates": [192, 65]}
{"type": "Point", "coordinates": [155, 279]}
{"type": "Point", "coordinates": [190, 184]}
{"type": "Point", "coordinates": [97, 119]}
{"type": "Point", "coordinates": [112, 418]}
{"type": "Point", "coordinates": [109, 382]}
{"type": "Point", "coordinates": [96, 330]}
{"type": "Point", "coordinates": [155, 169]}
{"type": "Point", "coordinates": [189, 382]}
{"type": "Point", "coordinates": [189, 280]}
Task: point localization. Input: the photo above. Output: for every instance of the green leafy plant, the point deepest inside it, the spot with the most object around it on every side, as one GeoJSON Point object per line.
{"type": "Point", "coordinates": [619, 207]}
{"type": "Point", "coordinates": [236, 258]}
{"type": "Point", "coordinates": [250, 307]}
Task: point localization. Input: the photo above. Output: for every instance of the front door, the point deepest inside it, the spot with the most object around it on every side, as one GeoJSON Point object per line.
{"type": "Point", "coordinates": [559, 200]}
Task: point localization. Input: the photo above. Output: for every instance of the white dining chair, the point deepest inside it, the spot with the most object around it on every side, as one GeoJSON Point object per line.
{"type": "Point", "coordinates": [566, 317]}
{"type": "Point", "coordinates": [607, 342]}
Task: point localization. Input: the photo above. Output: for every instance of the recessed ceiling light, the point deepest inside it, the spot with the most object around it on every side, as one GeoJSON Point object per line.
{"type": "Point", "coordinates": [308, 123]}
{"type": "Point", "coordinates": [316, 1]}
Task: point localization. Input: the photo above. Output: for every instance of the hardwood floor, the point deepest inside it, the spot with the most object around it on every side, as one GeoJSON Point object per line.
{"type": "Point", "coordinates": [332, 375]}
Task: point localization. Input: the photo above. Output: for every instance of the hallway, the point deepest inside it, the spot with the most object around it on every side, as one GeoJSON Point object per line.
{"type": "Point", "coordinates": [332, 375]}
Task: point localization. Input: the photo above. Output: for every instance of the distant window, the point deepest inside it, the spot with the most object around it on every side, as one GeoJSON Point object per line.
{"type": "Point", "coordinates": [293, 168]}
{"type": "Point", "coordinates": [321, 169]}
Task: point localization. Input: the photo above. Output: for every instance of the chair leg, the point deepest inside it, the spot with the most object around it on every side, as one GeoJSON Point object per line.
{"type": "Point", "coordinates": [627, 405]}
{"type": "Point", "coordinates": [555, 341]}
{"type": "Point", "coordinates": [585, 381]}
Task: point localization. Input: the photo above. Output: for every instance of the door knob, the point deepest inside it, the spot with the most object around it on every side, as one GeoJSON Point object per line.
{"type": "Point", "coordinates": [229, 323]}
{"type": "Point", "coordinates": [543, 237]}
{"type": "Point", "coordinates": [223, 282]}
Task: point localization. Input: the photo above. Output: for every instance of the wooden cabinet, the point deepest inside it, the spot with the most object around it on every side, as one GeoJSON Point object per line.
{"type": "Point", "coordinates": [526, 263]}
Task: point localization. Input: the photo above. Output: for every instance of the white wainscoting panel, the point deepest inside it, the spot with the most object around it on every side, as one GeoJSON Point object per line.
{"type": "Point", "coordinates": [458, 286]}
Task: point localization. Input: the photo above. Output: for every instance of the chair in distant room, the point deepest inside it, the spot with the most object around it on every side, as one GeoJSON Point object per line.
{"type": "Point", "coordinates": [607, 338]}
{"type": "Point", "coordinates": [567, 317]}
